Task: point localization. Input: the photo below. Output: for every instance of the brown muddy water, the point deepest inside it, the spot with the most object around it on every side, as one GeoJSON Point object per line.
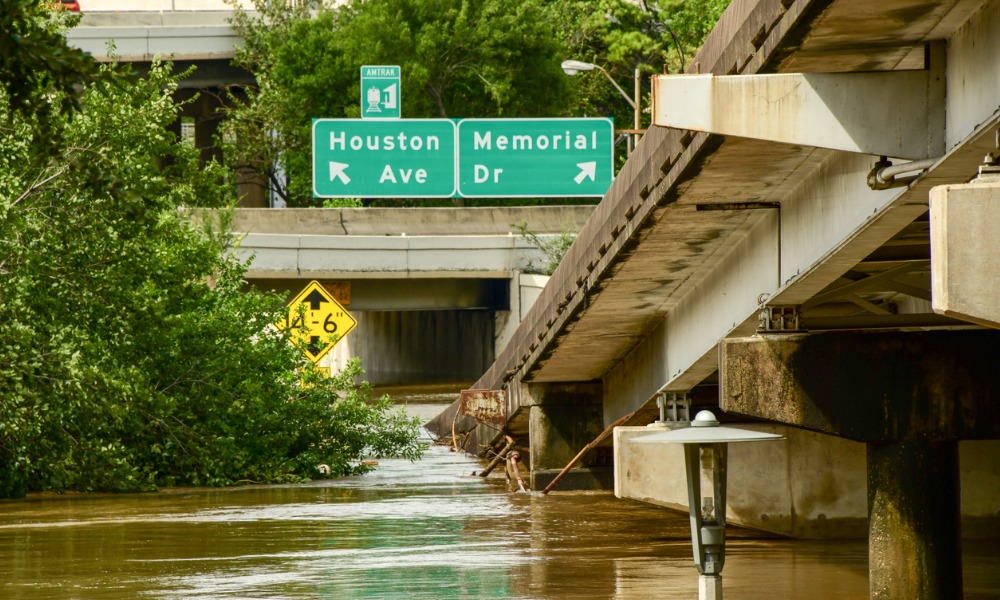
{"type": "Point", "coordinates": [407, 530]}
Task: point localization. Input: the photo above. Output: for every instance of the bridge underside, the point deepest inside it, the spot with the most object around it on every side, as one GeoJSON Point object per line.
{"type": "Point", "coordinates": [787, 220]}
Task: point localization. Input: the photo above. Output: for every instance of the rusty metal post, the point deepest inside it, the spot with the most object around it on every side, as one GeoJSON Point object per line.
{"type": "Point", "coordinates": [513, 458]}
{"type": "Point", "coordinates": [914, 540]}
{"type": "Point", "coordinates": [501, 456]}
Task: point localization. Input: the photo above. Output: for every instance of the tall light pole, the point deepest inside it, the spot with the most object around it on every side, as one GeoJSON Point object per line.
{"type": "Point", "coordinates": [572, 67]}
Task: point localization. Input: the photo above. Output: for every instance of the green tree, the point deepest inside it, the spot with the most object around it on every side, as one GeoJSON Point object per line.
{"type": "Point", "coordinates": [36, 64]}
{"type": "Point", "coordinates": [622, 36]}
{"type": "Point", "coordinates": [130, 355]}
{"type": "Point", "coordinates": [459, 58]}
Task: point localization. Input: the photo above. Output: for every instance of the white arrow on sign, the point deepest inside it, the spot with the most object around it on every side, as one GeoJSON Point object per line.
{"type": "Point", "coordinates": [587, 169]}
{"type": "Point", "coordinates": [337, 172]}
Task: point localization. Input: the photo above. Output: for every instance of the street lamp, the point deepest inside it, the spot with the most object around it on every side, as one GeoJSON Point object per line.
{"type": "Point", "coordinates": [572, 67]}
{"type": "Point", "coordinates": [705, 451]}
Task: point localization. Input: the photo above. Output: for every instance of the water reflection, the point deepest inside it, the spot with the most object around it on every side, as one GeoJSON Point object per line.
{"type": "Point", "coordinates": [424, 530]}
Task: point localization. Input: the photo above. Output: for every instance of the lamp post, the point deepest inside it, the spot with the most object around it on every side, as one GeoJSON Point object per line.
{"type": "Point", "coordinates": [705, 452]}
{"type": "Point", "coordinates": [572, 67]}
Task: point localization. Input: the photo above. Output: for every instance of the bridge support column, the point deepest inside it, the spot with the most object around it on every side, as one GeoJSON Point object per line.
{"type": "Point", "coordinates": [564, 418]}
{"type": "Point", "coordinates": [914, 546]}
{"type": "Point", "coordinates": [910, 397]}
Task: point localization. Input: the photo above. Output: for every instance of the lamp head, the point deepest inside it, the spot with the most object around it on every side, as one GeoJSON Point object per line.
{"type": "Point", "coordinates": [705, 429]}
{"type": "Point", "coordinates": [572, 67]}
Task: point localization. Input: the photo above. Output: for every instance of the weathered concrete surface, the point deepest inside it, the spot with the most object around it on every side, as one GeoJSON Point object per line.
{"type": "Point", "coordinates": [306, 256]}
{"type": "Point", "coordinates": [808, 485]}
{"type": "Point", "coordinates": [563, 419]}
{"type": "Point", "coordinates": [868, 386]}
{"type": "Point", "coordinates": [525, 289]}
{"type": "Point", "coordinates": [914, 545]}
{"type": "Point", "coordinates": [965, 252]}
{"type": "Point", "coordinates": [868, 113]}
{"type": "Point", "coordinates": [398, 243]}
{"type": "Point", "coordinates": [141, 36]}
{"type": "Point", "coordinates": [411, 221]}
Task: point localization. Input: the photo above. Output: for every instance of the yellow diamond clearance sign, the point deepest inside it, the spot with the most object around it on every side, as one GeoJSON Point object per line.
{"type": "Point", "coordinates": [317, 319]}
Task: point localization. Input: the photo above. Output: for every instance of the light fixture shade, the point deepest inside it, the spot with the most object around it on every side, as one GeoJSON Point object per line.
{"type": "Point", "coordinates": [705, 429]}
{"type": "Point", "coordinates": [572, 67]}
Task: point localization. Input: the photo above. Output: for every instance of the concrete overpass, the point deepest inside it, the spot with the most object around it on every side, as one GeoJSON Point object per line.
{"type": "Point", "coordinates": [183, 29]}
{"type": "Point", "coordinates": [754, 256]}
{"type": "Point", "coordinates": [437, 292]}
{"type": "Point", "coordinates": [191, 33]}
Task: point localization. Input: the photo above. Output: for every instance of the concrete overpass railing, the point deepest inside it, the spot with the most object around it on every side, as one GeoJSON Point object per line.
{"type": "Point", "coordinates": [387, 243]}
{"type": "Point", "coordinates": [140, 35]}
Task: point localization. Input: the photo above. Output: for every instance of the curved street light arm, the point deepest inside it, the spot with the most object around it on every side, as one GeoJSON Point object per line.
{"type": "Point", "coordinates": [617, 87]}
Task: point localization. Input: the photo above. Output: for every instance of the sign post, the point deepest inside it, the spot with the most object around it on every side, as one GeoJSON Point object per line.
{"type": "Point", "coordinates": [316, 318]}
{"type": "Point", "coordinates": [380, 92]}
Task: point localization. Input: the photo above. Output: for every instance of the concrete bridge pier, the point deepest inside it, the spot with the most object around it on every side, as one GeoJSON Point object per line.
{"type": "Point", "coordinates": [914, 545]}
{"type": "Point", "coordinates": [562, 419]}
{"type": "Point", "coordinates": [909, 396]}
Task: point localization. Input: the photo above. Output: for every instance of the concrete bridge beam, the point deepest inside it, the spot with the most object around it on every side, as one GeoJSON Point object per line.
{"type": "Point", "coordinates": [890, 113]}
{"type": "Point", "coordinates": [869, 387]}
{"type": "Point", "coordinates": [910, 397]}
{"type": "Point", "coordinates": [965, 267]}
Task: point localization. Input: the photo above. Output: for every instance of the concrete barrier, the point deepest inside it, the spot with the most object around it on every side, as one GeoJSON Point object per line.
{"type": "Point", "coordinates": [809, 485]}
{"type": "Point", "coordinates": [411, 221]}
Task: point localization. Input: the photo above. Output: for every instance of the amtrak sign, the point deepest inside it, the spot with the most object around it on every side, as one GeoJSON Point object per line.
{"type": "Point", "coordinates": [380, 92]}
{"type": "Point", "coordinates": [471, 158]}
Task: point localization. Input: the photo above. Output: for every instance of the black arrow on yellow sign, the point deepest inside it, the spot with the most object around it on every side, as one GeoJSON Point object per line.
{"type": "Point", "coordinates": [314, 299]}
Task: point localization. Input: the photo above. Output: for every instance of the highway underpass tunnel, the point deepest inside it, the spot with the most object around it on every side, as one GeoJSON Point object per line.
{"type": "Point", "coordinates": [423, 346]}
{"type": "Point", "coordinates": [413, 331]}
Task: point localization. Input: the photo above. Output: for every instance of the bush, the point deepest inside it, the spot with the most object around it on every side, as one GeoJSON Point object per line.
{"type": "Point", "coordinates": [130, 355]}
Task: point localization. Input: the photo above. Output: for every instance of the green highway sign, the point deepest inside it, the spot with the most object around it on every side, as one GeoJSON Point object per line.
{"type": "Point", "coordinates": [473, 158]}
{"type": "Point", "coordinates": [400, 158]}
{"type": "Point", "coordinates": [380, 92]}
{"type": "Point", "coordinates": [510, 158]}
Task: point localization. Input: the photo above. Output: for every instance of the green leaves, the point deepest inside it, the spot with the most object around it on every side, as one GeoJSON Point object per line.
{"type": "Point", "coordinates": [459, 58]}
{"type": "Point", "coordinates": [130, 354]}
{"type": "Point", "coordinates": [38, 70]}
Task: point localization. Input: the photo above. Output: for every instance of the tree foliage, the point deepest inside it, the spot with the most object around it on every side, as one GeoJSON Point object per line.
{"type": "Point", "coordinates": [37, 64]}
{"type": "Point", "coordinates": [459, 59]}
{"type": "Point", "coordinates": [130, 355]}
{"type": "Point", "coordinates": [623, 36]}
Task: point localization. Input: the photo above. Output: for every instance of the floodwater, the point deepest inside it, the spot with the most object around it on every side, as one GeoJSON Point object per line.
{"type": "Point", "coordinates": [407, 530]}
